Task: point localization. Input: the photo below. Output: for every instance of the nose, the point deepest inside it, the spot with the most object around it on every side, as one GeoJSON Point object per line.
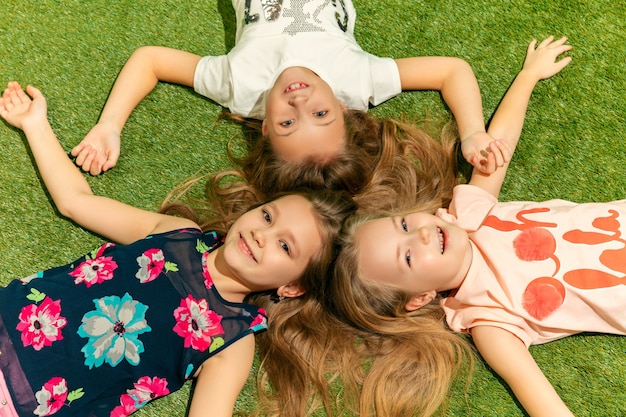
{"type": "Point", "coordinates": [297, 100]}
{"type": "Point", "coordinates": [258, 235]}
{"type": "Point", "coordinates": [423, 235]}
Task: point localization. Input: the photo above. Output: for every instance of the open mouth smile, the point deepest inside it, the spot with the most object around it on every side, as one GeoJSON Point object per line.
{"type": "Point", "coordinates": [442, 239]}
{"type": "Point", "coordinates": [295, 87]}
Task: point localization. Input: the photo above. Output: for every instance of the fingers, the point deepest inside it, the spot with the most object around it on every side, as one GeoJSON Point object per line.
{"type": "Point", "coordinates": [111, 161]}
{"type": "Point", "coordinates": [546, 42]}
{"type": "Point", "coordinates": [495, 156]}
{"type": "Point", "coordinates": [88, 160]}
{"type": "Point", "coordinates": [33, 91]}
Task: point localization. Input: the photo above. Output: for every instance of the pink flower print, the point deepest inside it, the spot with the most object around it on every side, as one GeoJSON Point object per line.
{"type": "Point", "coordinates": [94, 271]}
{"type": "Point", "coordinates": [208, 281]}
{"type": "Point", "coordinates": [260, 321]}
{"type": "Point", "coordinates": [51, 397]}
{"type": "Point", "coordinates": [100, 251]}
{"type": "Point", "coordinates": [196, 323]}
{"type": "Point", "coordinates": [146, 389]}
{"type": "Point", "coordinates": [41, 324]}
{"type": "Point", "coordinates": [126, 408]}
{"type": "Point", "coordinates": [151, 263]}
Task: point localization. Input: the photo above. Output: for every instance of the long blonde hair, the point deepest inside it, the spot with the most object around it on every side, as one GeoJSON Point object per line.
{"type": "Point", "coordinates": [414, 353]}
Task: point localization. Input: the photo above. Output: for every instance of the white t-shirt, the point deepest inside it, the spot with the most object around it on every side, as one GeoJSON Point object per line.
{"type": "Point", "coordinates": [271, 37]}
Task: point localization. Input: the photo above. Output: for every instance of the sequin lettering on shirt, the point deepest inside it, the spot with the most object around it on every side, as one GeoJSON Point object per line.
{"type": "Point", "coordinates": [302, 22]}
{"type": "Point", "coordinates": [342, 23]}
{"type": "Point", "coordinates": [300, 16]}
{"type": "Point", "coordinates": [271, 11]}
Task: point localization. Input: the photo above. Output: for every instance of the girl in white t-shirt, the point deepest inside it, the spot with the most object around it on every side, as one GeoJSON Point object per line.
{"type": "Point", "coordinates": [297, 75]}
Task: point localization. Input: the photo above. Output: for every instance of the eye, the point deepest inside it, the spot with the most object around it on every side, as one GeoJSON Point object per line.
{"type": "Point", "coordinates": [267, 216]}
{"type": "Point", "coordinates": [287, 123]}
{"type": "Point", "coordinates": [407, 257]}
{"type": "Point", "coordinates": [320, 114]}
{"type": "Point", "coordinates": [404, 225]}
{"type": "Point", "coordinates": [285, 247]}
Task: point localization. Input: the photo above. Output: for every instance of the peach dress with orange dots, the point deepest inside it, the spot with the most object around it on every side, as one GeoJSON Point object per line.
{"type": "Point", "coordinates": [541, 270]}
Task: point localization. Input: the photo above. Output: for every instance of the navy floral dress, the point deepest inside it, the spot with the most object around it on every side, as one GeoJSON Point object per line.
{"type": "Point", "coordinates": [117, 328]}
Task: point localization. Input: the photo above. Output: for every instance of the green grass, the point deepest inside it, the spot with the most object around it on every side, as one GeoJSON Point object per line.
{"type": "Point", "coordinates": [571, 146]}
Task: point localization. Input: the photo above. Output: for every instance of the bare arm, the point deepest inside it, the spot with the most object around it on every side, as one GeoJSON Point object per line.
{"type": "Point", "coordinates": [508, 120]}
{"type": "Point", "coordinates": [100, 148]}
{"type": "Point", "coordinates": [68, 188]}
{"type": "Point", "coordinates": [221, 379]}
{"type": "Point", "coordinates": [508, 356]}
{"type": "Point", "coordinates": [454, 78]}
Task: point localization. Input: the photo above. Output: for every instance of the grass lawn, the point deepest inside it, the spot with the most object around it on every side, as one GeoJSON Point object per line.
{"type": "Point", "coordinates": [571, 145]}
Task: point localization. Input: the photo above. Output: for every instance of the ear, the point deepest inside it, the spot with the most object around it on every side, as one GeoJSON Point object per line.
{"type": "Point", "coordinates": [420, 300]}
{"type": "Point", "coordinates": [291, 290]}
{"type": "Point", "coordinates": [263, 128]}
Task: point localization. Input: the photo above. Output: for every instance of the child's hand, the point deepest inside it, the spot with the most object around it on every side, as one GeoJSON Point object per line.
{"type": "Point", "coordinates": [19, 110]}
{"type": "Point", "coordinates": [99, 150]}
{"type": "Point", "coordinates": [484, 153]}
{"type": "Point", "coordinates": [541, 62]}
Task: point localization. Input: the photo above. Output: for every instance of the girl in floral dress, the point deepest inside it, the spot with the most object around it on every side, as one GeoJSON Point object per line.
{"type": "Point", "coordinates": [133, 320]}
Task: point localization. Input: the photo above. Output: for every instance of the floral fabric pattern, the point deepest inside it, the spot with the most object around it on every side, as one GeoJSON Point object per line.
{"type": "Point", "coordinates": [125, 324]}
{"type": "Point", "coordinates": [94, 271]}
{"type": "Point", "coordinates": [197, 323]}
{"type": "Point", "coordinates": [51, 397]}
{"type": "Point", "coordinates": [41, 325]}
{"type": "Point", "coordinates": [145, 390]}
{"type": "Point", "coordinates": [113, 329]}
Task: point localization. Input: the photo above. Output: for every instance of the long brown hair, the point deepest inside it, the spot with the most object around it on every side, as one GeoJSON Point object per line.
{"type": "Point", "coordinates": [385, 164]}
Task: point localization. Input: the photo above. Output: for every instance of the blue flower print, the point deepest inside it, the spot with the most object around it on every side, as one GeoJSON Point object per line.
{"type": "Point", "coordinates": [113, 329]}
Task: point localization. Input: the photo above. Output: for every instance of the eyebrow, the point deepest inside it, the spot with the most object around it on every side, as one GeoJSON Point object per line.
{"type": "Point", "coordinates": [395, 220]}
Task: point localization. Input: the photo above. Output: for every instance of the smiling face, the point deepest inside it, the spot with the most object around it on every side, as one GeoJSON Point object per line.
{"type": "Point", "coordinates": [303, 116]}
{"type": "Point", "coordinates": [417, 253]}
{"type": "Point", "coordinates": [271, 245]}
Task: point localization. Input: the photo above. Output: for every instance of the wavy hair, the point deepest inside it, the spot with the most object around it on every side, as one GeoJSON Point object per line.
{"type": "Point", "coordinates": [385, 164]}
{"type": "Point", "coordinates": [415, 353]}
{"type": "Point", "coordinates": [300, 329]}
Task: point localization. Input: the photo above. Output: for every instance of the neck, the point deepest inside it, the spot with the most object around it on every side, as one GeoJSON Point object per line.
{"type": "Point", "coordinates": [230, 288]}
{"type": "Point", "coordinates": [466, 265]}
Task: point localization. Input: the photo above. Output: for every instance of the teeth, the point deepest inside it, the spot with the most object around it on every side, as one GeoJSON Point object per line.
{"type": "Point", "coordinates": [247, 248]}
{"type": "Point", "coordinates": [295, 86]}
{"type": "Point", "coordinates": [440, 232]}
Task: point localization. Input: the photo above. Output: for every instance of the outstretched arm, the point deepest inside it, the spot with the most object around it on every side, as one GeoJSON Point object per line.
{"type": "Point", "coordinates": [100, 149]}
{"type": "Point", "coordinates": [508, 120]}
{"type": "Point", "coordinates": [454, 78]}
{"type": "Point", "coordinates": [221, 378]}
{"type": "Point", "coordinates": [67, 186]}
{"type": "Point", "coordinates": [507, 355]}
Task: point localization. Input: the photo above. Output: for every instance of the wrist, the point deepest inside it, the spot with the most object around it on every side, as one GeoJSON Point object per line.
{"type": "Point", "coordinates": [466, 136]}
{"type": "Point", "coordinates": [35, 125]}
{"type": "Point", "coordinates": [529, 76]}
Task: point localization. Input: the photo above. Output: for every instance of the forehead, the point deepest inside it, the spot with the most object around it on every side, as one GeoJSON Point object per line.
{"type": "Point", "coordinates": [321, 142]}
{"type": "Point", "coordinates": [377, 250]}
{"type": "Point", "coordinates": [298, 214]}
{"type": "Point", "coordinates": [372, 230]}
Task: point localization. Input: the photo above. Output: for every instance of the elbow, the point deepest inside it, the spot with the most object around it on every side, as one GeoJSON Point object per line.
{"type": "Point", "coordinates": [71, 206]}
{"type": "Point", "coordinates": [460, 67]}
{"type": "Point", "coordinates": [65, 208]}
